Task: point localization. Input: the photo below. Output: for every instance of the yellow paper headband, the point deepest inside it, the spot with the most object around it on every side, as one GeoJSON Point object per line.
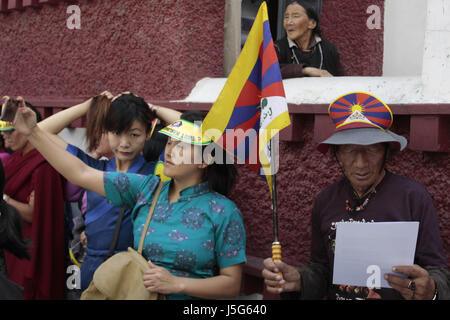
{"type": "Point", "coordinates": [5, 126]}
{"type": "Point", "coordinates": [185, 131]}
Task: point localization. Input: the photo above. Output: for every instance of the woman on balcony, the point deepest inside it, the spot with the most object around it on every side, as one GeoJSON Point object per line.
{"type": "Point", "coordinates": [303, 53]}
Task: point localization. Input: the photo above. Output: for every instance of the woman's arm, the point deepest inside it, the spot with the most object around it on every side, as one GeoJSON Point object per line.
{"type": "Point", "coordinates": [225, 285]}
{"type": "Point", "coordinates": [60, 120]}
{"type": "Point", "coordinates": [316, 72]}
{"type": "Point", "coordinates": [167, 115]}
{"type": "Point", "coordinates": [72, 168]}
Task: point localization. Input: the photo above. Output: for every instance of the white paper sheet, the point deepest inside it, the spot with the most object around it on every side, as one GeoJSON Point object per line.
{"type": "Point", "coordinates": [364, 252]}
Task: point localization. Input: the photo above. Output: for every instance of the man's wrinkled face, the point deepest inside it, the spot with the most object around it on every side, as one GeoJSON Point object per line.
{"type": "Point", "coordinates": [362, 165]}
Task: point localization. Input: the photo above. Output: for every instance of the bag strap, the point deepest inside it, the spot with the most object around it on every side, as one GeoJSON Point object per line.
{"type": "Point", "coordinates": [115, 239]}
{"type": "Point", "coordinates": [149, 217]}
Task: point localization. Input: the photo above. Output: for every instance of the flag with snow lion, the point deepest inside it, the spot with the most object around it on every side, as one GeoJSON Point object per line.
{"type": "Point", "coordinates": [251, 108]}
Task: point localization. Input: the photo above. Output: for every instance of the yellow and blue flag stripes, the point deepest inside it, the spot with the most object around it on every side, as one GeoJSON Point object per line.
{"type": "Point", "coordinates": [252, 101]}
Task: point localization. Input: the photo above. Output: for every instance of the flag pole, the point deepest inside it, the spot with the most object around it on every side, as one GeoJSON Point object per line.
{"type": "Point", "coordinates": [276, 245]}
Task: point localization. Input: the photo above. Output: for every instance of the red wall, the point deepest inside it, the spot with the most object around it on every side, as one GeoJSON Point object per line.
{"type": "Point", "coordinates": [158, 49]}
{"type": "Point", "coordinates": [344, 23]}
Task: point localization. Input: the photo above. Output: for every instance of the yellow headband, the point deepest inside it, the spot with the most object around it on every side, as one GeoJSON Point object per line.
{"type": "Point", "coordinates": [185, 131]}
{"type": "Point", "coordinates": [5, 126]}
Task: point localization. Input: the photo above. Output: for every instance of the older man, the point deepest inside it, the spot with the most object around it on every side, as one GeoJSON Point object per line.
{"type": "Point", "coordinates": [367, 193]}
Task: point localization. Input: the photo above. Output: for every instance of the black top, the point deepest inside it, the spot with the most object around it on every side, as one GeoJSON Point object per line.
{"type": "Point", "coordinates": [9, 290]}
{"type": "Point", "coordinates": [323, 52]}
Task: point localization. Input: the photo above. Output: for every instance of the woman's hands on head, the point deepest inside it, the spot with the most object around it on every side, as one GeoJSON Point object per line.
{"type": "Point", "coordinates": [112, 97]}
{"type": "Point", "coordinates": [107, 94]}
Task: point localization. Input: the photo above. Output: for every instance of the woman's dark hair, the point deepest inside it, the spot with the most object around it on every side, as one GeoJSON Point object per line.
{"type": "Point", "coordinates": [124, 111]}
{"type": "Point", "coordinates": [221, 175]}
{"type": "Point", "coordinates": [11, 238]}
{"type": "Point", "coordinates": [154, 146]}
{"type": "Point", "coordinates": [310, 12]}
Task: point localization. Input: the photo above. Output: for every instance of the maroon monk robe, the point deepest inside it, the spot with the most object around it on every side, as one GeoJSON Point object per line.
{"type": "Point", "coordinates": [43, 277]}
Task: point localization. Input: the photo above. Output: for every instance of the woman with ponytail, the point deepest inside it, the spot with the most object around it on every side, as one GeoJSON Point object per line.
{"type": "Point", "coordinates": [116, 128]}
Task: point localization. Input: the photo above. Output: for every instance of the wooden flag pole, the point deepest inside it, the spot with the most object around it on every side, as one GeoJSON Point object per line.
{"type": "Point", "coordinates": [276, 245]}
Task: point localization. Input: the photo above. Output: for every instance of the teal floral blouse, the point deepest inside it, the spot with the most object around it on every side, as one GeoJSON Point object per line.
{"type": "Point", "coordinates": [191, 237]}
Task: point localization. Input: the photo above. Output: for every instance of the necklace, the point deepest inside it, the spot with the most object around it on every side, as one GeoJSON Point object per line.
{"type": "Point", "coordinates": [358, 207]}
{"type": "Point", "coordinates": [321, 56]}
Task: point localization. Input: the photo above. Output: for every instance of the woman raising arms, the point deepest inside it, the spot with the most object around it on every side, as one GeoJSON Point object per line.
{"type": "Point", "coordinates": [123, 125]}
{"type": "Point", "coordinates": [195, 229]}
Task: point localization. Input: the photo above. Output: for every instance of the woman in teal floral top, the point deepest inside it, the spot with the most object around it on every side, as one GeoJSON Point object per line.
{"type": "Point", "coordinates": [196, 240]}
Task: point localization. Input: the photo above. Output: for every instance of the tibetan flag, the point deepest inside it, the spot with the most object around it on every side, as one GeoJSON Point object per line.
{"type": "Point", "coordinates": [251, 108]}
